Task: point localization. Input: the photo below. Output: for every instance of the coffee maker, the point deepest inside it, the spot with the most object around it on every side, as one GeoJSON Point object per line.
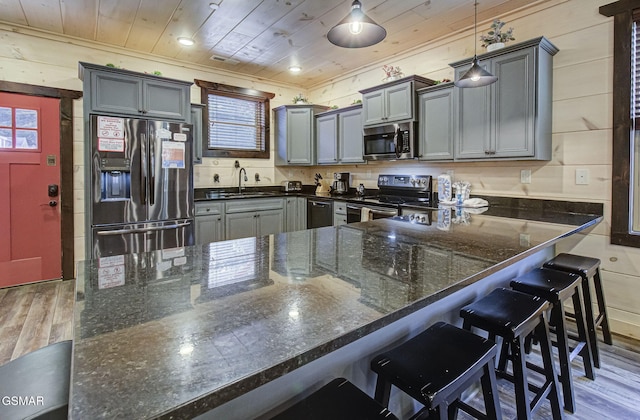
{"type": "Point", "coordinates": [340, 183]}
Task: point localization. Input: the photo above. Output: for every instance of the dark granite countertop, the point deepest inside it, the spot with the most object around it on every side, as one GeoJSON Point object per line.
{"type": "Point", "coordinates": [174, 333]}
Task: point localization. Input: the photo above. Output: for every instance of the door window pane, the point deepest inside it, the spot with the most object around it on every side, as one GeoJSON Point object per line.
{"type": "Point", "coordinates": [5, 138]}
{"type": "Point", "coordinates": [5, 117]}
{"type": "Point", "coordinates": [26, 139]}
{"type": "Point", "coordinates": [18, 129]}
{"type": "Point", "coordinates": [26, 118]}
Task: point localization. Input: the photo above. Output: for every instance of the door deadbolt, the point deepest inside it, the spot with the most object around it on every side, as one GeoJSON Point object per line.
{"type": "Point", "coordinates": [52, 190]}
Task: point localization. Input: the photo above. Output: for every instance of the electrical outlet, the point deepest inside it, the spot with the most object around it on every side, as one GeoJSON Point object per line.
{"type": "Point", "coordinates": [525, 176]}
{"type": "Point", "coordinates": [582, 177]}
{"type": "Point", "coordinates": [369, 174]}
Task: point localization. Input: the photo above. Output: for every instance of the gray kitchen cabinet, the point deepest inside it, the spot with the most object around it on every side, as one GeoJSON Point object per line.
{"type": "Point", "coordinates": [510, 119]}
{"type": "Point", "coordinates": [436, 116]}
{"type": "Point", "coordinates": [254, 217]}
{"type": "Point", "coordinates": [391, 102]}
{"type": "Point", "coordinates": [122, 92]}
{"type": "Point", "coordinates": [296, 214]}
{"type": "Point", "coordinates": [339, 213]}
{"type": "Point", "coordinates": [209, 222]}
{"type": "Point", "coordinates": [339, 136]}
{"type": "Point", "coordinates": [197, 121]}
{"type": "Point", "coordinates": [295, 134]}
{"type": "Point", "coordinates": [327, 138]}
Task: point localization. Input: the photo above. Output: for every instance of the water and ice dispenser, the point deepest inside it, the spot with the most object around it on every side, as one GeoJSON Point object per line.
{"type": "Point", "coordinates": [115, 179]}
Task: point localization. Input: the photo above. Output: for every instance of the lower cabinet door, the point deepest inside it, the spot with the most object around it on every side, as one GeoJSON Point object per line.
{"type": "Point", "coordinates": [240, 225]}
{"type": "Point", "coordinates": [209, 229]}
{"type": "Point", "coordinates": [270, 222]}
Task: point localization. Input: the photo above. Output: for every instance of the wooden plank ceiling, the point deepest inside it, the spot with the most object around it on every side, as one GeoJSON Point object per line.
{"type": "Point", "coordinates": [261, 38]}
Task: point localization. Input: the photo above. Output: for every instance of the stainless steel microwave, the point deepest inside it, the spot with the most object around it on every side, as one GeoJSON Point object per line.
{"type": "Point", "coordinates": [391, 141]}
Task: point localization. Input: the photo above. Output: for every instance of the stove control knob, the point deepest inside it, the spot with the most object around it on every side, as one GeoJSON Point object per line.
{"type": "Point", "coordinates": [422, 181]}
{"type": "Point", "coordinates": [423, 219]}
{"type": "Point", "coordinates": [413, 181]}
{"type": "Point", "coordinates": [412, 216]}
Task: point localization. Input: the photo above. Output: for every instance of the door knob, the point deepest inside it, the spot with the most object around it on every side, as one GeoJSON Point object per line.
{"type": "Point", "coordinates": [53, 203]}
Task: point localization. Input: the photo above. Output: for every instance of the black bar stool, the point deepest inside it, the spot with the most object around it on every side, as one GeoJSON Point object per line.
{"type": "Point", "coordinates": [587, 268]}
{"type": "Point", "coordinates": [513, 316]}
{"type": "Point", "coordinates": [339, 400]}
{"type": "Point", "coordinates": [43, 377]}
{"type": "Point", "coordinates": [435, 367]}
{"type": "Point", "coordinates": [557, 287]}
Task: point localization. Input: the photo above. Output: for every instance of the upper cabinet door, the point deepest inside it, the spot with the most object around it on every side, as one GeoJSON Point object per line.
{"type": "Point", "coordinates": [514, 104]}
{"type": "Point", "coordinates": [350, 136]}
{"type": "Point", "coordinates": [300, 149]}
{"type": "Point", "coordinates": [116, 94]}
{"type": "Point", "coordinates": [399, 102]}
{"type": "Point", "coordinates": [473, 130]}
{"type": "Point", "coordinates": [327, 138]}
{"type": "Point", "coordinates": [373, 107]}
{"type": "Point", "coordinates": [436, 116]}
{"type": "Point", "coordinates": [166, 101]}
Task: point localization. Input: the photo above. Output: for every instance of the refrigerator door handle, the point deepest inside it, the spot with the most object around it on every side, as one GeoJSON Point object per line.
{"type": "Point", "coordinates": [143, 230]}
{"type": "Point", "coordinates": [143, 169]}
{"type": "Point", "coordinates": [152, 170]}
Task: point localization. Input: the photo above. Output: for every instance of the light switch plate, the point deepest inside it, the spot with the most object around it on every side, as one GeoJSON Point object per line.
{"type": "Point", "coordinates": [525, 176]}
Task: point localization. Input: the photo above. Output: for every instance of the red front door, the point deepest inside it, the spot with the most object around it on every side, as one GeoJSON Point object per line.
{"type": "Point", "coordinates": [30, 248]}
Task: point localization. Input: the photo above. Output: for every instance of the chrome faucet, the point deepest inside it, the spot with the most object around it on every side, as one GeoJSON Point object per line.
{"type": "Point", "coordinates": [240, 179]}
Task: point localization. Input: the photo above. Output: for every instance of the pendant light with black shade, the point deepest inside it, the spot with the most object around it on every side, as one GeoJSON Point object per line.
{"type": "Point", "coordinates": [476, 76]}
{"type": "Point", "coordinates": [356, 30]}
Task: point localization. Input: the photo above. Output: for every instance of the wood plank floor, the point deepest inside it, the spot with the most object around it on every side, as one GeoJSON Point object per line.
{"type": "Point", "coordinates": [35, 315]}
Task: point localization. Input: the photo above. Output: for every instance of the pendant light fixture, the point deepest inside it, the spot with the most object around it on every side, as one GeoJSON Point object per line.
{"type": "Point", "coordinates": [476, 76]}
{"type": "Point", "coordinates": [356, 30]}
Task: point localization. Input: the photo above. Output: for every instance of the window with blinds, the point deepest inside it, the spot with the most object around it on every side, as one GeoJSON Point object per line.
{"type": "Point", "coordinates": [634, 193]}
{"type": "Point", "coordinates": [237, 121]}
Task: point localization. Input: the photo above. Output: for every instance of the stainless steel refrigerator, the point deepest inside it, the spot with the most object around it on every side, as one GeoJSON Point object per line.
{"type": "Point", "coordinates": [141, 185]}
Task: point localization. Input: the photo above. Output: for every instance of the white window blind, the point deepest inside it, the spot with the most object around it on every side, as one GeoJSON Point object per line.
{"type": "Point", "coordinates": [236, 123]}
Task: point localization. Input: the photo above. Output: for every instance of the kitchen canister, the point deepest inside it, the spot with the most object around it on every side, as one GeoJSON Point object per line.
{"type": "Point", "coordinates": [444, 188]}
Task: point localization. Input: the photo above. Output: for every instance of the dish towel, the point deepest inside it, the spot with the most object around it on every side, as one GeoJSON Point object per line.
{"type": "Point", "coordinates": [365, 214]}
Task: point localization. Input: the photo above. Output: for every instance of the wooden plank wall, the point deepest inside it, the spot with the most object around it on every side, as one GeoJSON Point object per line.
{"type": "Point", "coordinates": [582, 108]}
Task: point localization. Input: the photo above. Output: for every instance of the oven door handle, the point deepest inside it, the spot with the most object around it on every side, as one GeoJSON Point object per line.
{"type": "Point", "coordinates": [387, 213]}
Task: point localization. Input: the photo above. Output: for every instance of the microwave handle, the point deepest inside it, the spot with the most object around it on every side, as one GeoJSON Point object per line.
{"type": "Point", "coordinates": [396, 142]}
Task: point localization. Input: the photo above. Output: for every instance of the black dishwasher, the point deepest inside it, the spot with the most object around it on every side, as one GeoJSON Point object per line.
{"type": "Point", "coordinates": [319, 212]}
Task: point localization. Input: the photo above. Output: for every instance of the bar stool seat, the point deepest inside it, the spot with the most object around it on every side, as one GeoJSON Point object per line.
{"type": "Point", "coordinates": [435, 367]}
{"type": "Point", "coordinates": [587, 268]}
{"type": "Point", "coordinates": [513, 316]}
{"type": "Point", "coordinates": [43, 375]}
{"type": "Point", "coordinates": [557, 287]}
{"type": "Point", "coordinates": [339, 400]}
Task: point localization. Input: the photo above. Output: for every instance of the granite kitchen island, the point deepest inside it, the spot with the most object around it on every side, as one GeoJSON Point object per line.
{"type": "Point", "coordinates": [237, 328]}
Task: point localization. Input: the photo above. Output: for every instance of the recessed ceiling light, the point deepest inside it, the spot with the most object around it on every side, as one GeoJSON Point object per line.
{"type": "Point", "coordinates": [186, 41]}
{"type": "Point", "coordinates": [213, 6]}
{"type": "Point", "coordinates": [295, 69]}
